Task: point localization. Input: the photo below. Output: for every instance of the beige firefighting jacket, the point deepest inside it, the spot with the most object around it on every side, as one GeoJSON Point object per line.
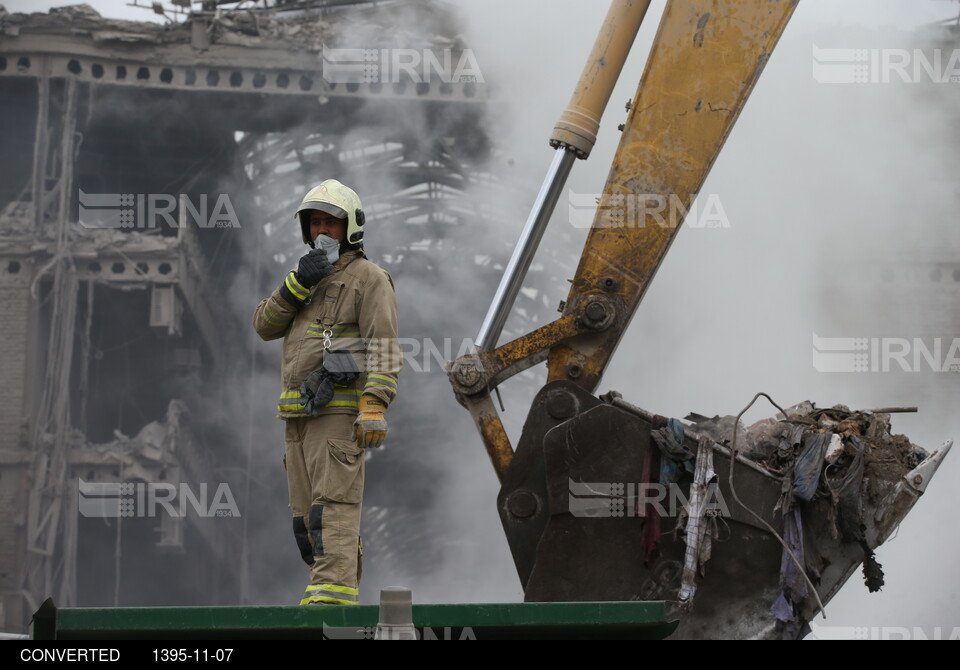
{"type": "Point", "coordinates": [355, 307]}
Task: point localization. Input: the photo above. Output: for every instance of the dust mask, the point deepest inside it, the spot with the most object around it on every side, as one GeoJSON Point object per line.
{"type": "Point", "coordinates": [329, 245]}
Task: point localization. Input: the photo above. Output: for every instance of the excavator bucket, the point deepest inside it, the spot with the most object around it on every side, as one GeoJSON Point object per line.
{"type": "Point", "coordinates": [600, 499]}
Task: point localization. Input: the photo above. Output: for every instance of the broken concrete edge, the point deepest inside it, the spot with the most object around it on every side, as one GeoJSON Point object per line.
{"type": "Point", "coordinates": [309, 31]}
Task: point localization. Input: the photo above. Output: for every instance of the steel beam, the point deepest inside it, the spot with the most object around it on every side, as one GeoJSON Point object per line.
{"type": "Point", "coordinates": [231, 69]}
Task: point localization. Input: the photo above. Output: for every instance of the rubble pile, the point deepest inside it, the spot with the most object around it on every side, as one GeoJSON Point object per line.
{"type": "Point", "coordinates": [402, 25]}
{"type": "Point", "coordinates": [85, 20]}
{"type": "Point", "coordinates": [821, 449]}
{"type": "Point", "coordinates": [837, 466]}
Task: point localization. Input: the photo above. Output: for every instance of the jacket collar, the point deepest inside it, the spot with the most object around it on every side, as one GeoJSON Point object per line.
{"type": "Point", "coordinates": [346, 258]}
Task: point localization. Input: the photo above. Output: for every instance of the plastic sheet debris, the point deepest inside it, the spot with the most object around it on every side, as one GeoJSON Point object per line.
{"type": "Point", "coordinates": [701, 529]}
{"type": "Point", "coordinates": [807, 468]}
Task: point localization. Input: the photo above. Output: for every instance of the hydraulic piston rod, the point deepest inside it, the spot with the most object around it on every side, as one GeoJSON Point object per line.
{"type": "Point", "coordinates": [524, 251]}
{"type": "Point", "coordinates": [573, 137]}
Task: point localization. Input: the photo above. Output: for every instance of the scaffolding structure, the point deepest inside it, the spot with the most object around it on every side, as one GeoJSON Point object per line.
{"type": "Point", "coordinates": [114, 131]}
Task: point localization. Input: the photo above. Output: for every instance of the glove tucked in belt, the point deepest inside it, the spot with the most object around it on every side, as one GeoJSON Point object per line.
{"type": "Point", "coordinates": [339, 369]}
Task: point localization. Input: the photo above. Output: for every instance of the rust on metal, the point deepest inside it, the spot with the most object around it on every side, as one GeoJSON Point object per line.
{"type": "Point", "coordinates": [492, 432]}
{"type": "Point", "coordinates": [665, 153]}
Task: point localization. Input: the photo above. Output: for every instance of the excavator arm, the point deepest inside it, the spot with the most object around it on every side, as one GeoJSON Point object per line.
{"type": "Point", "coordinates": [705, 60]}
{"type": "Point", "coordinates": [574, 498]}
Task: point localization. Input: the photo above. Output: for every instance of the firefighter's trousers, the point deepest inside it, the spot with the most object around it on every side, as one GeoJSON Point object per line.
{"type": "Point", "coordinates": [325, 479]}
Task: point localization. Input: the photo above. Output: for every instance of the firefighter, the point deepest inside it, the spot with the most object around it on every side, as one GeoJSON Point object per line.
{"type": "Point", "coordinates": [337, 315]}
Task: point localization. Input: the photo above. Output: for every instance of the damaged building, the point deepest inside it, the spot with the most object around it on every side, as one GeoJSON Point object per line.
{"type": "Point", "coordinates": [147, 175]}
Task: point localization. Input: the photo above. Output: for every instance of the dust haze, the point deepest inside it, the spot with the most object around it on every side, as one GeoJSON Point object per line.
{"type": "Point", "coordinates": [823, 186]}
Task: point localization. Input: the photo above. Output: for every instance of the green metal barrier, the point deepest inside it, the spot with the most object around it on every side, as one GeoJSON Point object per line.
{"type": "Point", "coordinates": [588, 620]}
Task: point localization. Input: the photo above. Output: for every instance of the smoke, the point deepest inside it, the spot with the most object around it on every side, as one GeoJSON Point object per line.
{"type": "Point", "coordinates": [818, 181]}
{"type": "Point", "coordinates": [413, 165]}
{"type": "Point", "coordinates": [820, 184]}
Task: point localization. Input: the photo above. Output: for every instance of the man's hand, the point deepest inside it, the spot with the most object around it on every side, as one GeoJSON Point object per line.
{"type": "Point", "coordinates": [313, 267]}
{"type": "Point", "coordinates": [370, 428]}
{"type": "Point", "coordinates": [296, 286]}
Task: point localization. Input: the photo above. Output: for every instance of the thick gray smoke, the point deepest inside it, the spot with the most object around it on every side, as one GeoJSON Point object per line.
{"type": "Point", "coordinates": [825, 187]}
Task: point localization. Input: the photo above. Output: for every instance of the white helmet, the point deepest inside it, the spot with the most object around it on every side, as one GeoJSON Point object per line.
{"type": "Point", "coordinates": [337, 200]}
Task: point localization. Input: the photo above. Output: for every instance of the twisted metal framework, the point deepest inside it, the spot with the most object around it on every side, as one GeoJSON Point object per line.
{"type": "Point", "coordinates": [273, 125]}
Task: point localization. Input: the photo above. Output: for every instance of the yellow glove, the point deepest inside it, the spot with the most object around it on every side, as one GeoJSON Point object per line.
{"type": "Point", "coordinates": [370, 428]}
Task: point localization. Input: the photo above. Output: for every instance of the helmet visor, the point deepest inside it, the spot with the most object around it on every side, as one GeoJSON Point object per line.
{"type": "Point", "coordinates": [327, 207]}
